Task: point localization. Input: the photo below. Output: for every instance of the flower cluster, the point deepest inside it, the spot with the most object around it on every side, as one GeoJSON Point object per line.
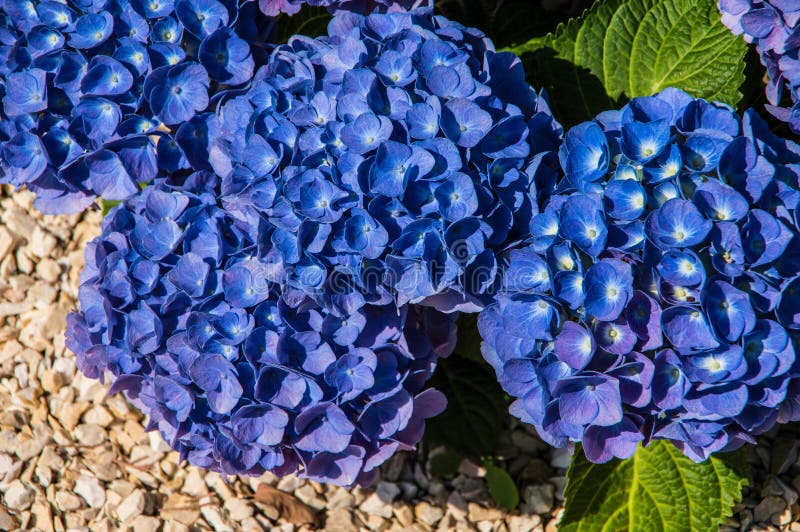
{"type": "Point", "coordinates": [657, 296]}
{"type": "Point", "coordinates": [390, 160]}
{"type": "Point", "coordinates": [101, 96]}
{"type": "Point", "coordinates": [274, 8]}
{"type": "Point", "coordinates": [181, 307]}
{"type": "Point", "coordinates": [774, 27]}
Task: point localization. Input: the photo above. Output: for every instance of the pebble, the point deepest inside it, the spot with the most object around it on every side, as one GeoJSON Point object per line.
{"type": "Point", "coordinates": [145, 523]}
{"type": "Point", "coordinates": [18, 496]}
{"type": "Point", "coordinates": [181, 508]}
{"type": "Point", "coordinates": [523, 523]}
{"type": "Point", "coordinates": [538, 498]}
{"type": "Point", "coordinates": [768, 507]}
{"type": "Point", "coordinates": [7, 521]}
{"type": "Point", "coordinates": [560, 458]}
{"type": "Point", "coordinates": [340, 520]}
{"type": "Point", "coordinates": [404, 515]}
{"type": "Point", "coordinates": [92, 492]}
{"type": "Point", "coordinates": [374, 505]}
{"type": "Point", "coordinates": [90, 434]}
{"type": "Point", "coordinates": [238, 509]}
{"type": "Point", "coordinates": [482, 513]}
{"type": "Point", "coordinates": [131, 506]}
{"type": "Point", "coordinates": [67, 501]}
{"type": "Point", "coordinates": [428, 514]}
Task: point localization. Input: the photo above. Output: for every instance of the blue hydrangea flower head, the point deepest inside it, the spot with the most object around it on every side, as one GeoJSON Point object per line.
{"type": "Point", "coordinates": [396, 156]}
{"type": "Point", "coordinates": [183, 307]}
{"type": "Point", "coordinates": [95, 95]}
{"type": "Point", "coordinates": [657, 294]}
{"type": "Point", "coordinates": [772, 26]}
{"type": "Point", "coordinates": [273, 8]}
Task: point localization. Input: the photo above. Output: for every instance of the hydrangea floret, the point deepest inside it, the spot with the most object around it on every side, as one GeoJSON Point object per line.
{"type": "Point", "coordinates": [273, 8]}
{"type": "Point", "coordinates": [657, 296]}
{"type": "Point", "coordinates": [392, 160]}
{"type": "Point", "coordinates": [774, 27]}
{"type": "Point", "coordinates": [100, 97]}
{"type": "Point", "coordinates": [182, 311]}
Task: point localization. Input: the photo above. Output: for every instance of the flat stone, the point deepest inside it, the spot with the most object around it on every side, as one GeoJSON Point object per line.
{"type": "Point", "coordinates": [7, 521]}
{"type": "Point", "coordinates": [146, 523]}
{"type": "Point", "coordinates": [30, 447]}
{"type": "Point", "coordinates": [18, 496]}
{"type": "Point", "coordinates": [427, 513]}
{"type": "Point", "coordinates": [485, 526]}
{"type": "Point", "coordinates": [309, 496]}
{"type": "Point", "coordinates": [523, 523]}
{"type": "Point", "coordinates": [131, 506]}
{"type": "Point", "coordinates": [376, 523]}
{"type": "Point", "coordinates": [67, 502]}
{"type": "Point", "coordinates": [92, 492]}
{"type": "Point", "coordinates": [404, 514]}
{"type": "Point", "coordinates": [43, 514]}
{"type": "Point", "coordinates": [374, 505]}
{"type": "Point", "coordinates": [457, 506]}
{"type": "Point", "coordinates": [290, 508]}
{"type": "Point", "coordinates": [539, 498]}
{"type": "Point", "coordinates": [181, 508]}
{"type": "Point", "coordinates": [290, 483]}
{"type": "Point", "coordinates": [90, 434]}
{"type": "Point", "coordinates": [768, 506]}
{"type": "Point", "coordinates": [6, 242]}
{"type": "Point", "coordinates": [194, 484]}
{"type": "Point", "coordinates": [387, 491]}
{"type": "Point", "coordinates": [471, 469]}
{"type": "Point", "coordinates": [340, 520]}
{"type": "Point", "coordinates": [238, 509]}
{"type": "Point", "coordinates": [99, 415]}
{"type": "Point", "coordinates": [560, 458]}
{"type": "Point", "coordinates": [215, 519]}
{"type": "Point", "coordinates": [482, 513]}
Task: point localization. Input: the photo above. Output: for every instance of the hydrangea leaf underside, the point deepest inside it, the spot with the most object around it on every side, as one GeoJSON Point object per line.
{"type": "Point", "coordinates": [647, 46]}
{"type": "Point", "coordinates": [657, 489]}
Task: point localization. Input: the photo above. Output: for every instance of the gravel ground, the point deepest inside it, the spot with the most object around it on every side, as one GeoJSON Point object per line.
{"type": "Point", "coordinates": [74, 458]}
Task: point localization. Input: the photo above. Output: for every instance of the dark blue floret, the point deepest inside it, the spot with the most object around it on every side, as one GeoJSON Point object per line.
{"type": "Point", "coordinates": [656, 296]}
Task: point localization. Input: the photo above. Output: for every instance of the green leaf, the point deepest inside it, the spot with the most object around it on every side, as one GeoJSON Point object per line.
{"type": "Point", "coordinates": [626, 48]}
{"type": "Point", "coordinates": [309, 21]}
{"type": "Point", "coordinates": [108, 205]}
{"type": "Point", "coordinates": [658, 489]}
{"type": "Point", "coordinates": [476, 406]}
{"type": "Point", "coordinates": [445, 464]}
{"type": "Point", "coordinates": [469, 339]}
{"type": "Point", "coordinates": [501, 487]}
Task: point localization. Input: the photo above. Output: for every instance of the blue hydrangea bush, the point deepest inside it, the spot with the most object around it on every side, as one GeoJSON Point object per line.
{"type": "Point", "coordinates": [278, 309]}
{"type": "Point", "coordinates": [773, 26]}
{"type": "Point", "coordinates": [657, 295]}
